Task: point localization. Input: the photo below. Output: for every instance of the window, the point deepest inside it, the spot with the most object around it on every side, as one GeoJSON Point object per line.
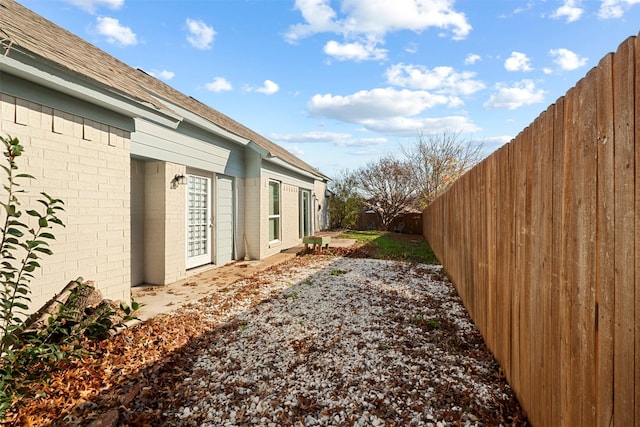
{"type": "Point", "coordinates": [274, 211]}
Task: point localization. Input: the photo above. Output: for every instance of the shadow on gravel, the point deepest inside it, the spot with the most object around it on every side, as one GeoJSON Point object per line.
{"type": "Point", "coordinates": [429, 363]}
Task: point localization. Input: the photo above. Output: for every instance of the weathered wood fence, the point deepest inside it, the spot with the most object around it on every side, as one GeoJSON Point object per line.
{"type": "Point", "coordinates": [542, 240]}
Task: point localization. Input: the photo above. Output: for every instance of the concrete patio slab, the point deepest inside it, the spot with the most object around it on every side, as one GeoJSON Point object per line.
{"type": "Point", "coordinates": [210, 279]}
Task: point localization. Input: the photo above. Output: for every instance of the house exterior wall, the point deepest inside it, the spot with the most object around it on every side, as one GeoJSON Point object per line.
{"type": "Point", "coordinates": [321, 206]}
{"type": "Point", "coordinates": [86, 164]}
{"type": "Point", "coordinates": [251, 237]}
{"type": "Point", "coordinates": [164, 224]}
{"type": "Point", "coordinates": [175, 229]}
{"type": "Point", "coordinates": [290, 211]}
{"type": "Point", "coordinates": [253, 207]}
{"type": "Point", "coordinates": [137, 221]}
{"type": "Point", "coordinates": [240, 224]}
{"type": "Point", "coordinates": [290, 186]}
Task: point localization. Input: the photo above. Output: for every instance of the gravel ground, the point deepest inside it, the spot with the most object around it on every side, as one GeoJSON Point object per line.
{"type": "Point", "coordinates": [337, 342]}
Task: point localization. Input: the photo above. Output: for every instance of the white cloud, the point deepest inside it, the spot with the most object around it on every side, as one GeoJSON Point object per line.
{"type": "Point", "coordinates": [354, 51]}
{"type": "Point", "coordinates": [491, 144]}
{"type": "Point", "coordinates": [518, 61]}
{"type": "Point", "coordinates": [567, 60]}
{"type": "Point", "coordinates": [219, 84]}
{"type": "Point", "coordinates": [200, 34]}
{"type": "Point", "coordinates": [527, 7]}
{"type": "Point", "coordinates": [163, 75]}
{"type": "Point", "coordinates": [92, 5]}
{"type": "Point", "coordinates": [472, 58]}
{"type": "Point", "coordinates": [333, 138]}
{"type": "Point", "coordinates": [615, 8]}
{"type": "Point", "coordinates": [295, 150]}
{"type": "Point", "coordinates": [269, 88]}
{"type": "Point", "coordinates": [408, 126]}
{"type": "Point", "coordinates": [114, 32]}
{"type": "Point", "coordinates": [319, 17]}
{"type": "Point", "coordinates": [375, 18]}
{"type": "Point", "coordinates": [411, 48]}
{"type": "Point", "coordinates": [441, 79]}
{"type": "Point", "coordinates": [512, 97]}
{"type": "Point", "coordinates": [570, 9]}
{"type": "Point", "coordinates": [374, 104]}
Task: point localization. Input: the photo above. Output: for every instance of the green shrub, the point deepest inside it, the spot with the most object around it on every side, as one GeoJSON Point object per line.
{"type": "Point", "coordinates": [28, 354]}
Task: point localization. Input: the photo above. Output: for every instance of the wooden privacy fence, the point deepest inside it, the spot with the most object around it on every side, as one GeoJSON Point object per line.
{"type": "Point", "coordinates": [542, 240]}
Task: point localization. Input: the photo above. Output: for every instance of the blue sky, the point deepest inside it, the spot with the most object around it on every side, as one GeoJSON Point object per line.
{"type": "Point", "coordinates": [341, 83]}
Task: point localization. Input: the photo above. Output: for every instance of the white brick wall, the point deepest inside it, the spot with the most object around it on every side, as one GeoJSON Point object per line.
{"type": "Point", "coordinates": [321, 216]}
{"type": "Point", "coordinates": [164, 224]}
{"type": "Point", "coordinates": [239, 223]}
{"type": "Point", "coordinates": [290, 216]}
{"type": "Point", "coordinates": [86, 164]}
{"type": "Point", "coordinates": [175, 226]}
{"type": "Point", "coordinates": [254, 232]}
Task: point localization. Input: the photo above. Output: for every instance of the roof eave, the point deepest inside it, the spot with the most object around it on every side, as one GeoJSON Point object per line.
{"type": "Point", "coordinates": [204, 124]}
{"type": "Point", "coordinates": [104, 97]}
{"type": "Point", "coordinates": [284, 164]}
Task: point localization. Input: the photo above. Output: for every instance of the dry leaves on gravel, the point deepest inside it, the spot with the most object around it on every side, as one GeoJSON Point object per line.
{"type": "Point", "coordinates": [318, 341]}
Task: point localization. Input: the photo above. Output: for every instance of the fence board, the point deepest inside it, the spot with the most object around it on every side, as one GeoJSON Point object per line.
{"type": "Point", "coordinates": [558, 392]}
{"type": "Point", "coordinates": [542, 273]}
{"type": "Point", "coordinates": [525, 265]}
{"type": "Point", "coordinates": [503, 253]}
{"type": "Point", "coordinates": [587, 149]}
{"type": "Point", "coordinates": [604, 244]}
{"type": "Point", "coordinates": [480, 231]}
{"type": "Point", "coordinates": [534, 295]}
{"type": "Point", "coordinates": [491, 182]}
{"type": "Point", "coordinates": [516, 306]}
{"type": "Point", "coordinates": [637, 231]}
{"type": "Point", "coordinates": [623, 90]}
{"type": "Point", "coordinates": [567, 296]}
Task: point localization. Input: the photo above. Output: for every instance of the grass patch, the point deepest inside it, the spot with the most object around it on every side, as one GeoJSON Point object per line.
{"type": "Point", "coordinates": [395, 246]}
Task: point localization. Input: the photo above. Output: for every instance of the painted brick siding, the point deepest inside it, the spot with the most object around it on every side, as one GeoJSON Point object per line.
{"type": "Point", "coordinates": [175, 225]}
{"type": "Point", "coordinates": [321, 216]}
{"type": "Point", "coordinates": [240, 225]}
{"type": "Point", "coordinates": [290, 215]}
{"type": "Point", "coordinates": [164, 224]}
{"type": "Point", "coordinates": [253, 218]}
{"type": "Point", "coordinates": [87, 165]}
{"type": "Point", "coordinates": [137, 221]}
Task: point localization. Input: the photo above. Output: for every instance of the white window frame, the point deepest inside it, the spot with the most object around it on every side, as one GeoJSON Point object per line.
{"type": "Point", "coordinates": [305, 216]}
{"type": "Point", "coordinates": [275, 216]}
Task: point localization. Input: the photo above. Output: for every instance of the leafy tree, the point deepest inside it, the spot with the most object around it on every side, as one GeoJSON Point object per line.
{"type": "Point", "coordinates": [346, 203]}
{"type": "Point", "coordinates": [436, 160]}
{"type": "Point", "coordinates": [386, 188]}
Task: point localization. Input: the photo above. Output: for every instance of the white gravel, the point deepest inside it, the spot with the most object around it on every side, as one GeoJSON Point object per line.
{"type": "Point", "coordinates": [341, 341]}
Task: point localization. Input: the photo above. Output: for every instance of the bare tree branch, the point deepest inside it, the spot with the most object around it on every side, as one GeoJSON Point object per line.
{"type": "Point", "coordinates": [386, 188]}
{"type": "Point", "coordinates": [436, 160]}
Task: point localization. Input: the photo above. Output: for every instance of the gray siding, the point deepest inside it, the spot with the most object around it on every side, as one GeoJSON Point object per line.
{"type": "Point", "coordinates": [157, 142]}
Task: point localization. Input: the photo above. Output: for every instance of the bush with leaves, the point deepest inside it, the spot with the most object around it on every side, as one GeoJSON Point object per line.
{"type": "Point", "coordinates": [27, 356]}
{"type": "Point", "coordinates": [21, 247]}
